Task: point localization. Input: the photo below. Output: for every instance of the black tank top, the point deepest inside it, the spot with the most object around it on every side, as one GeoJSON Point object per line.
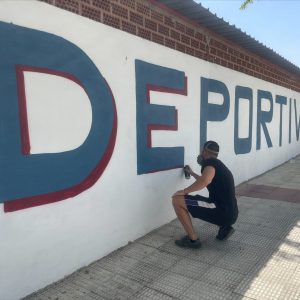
{"type": "Point", "coordinates": [221, 189]}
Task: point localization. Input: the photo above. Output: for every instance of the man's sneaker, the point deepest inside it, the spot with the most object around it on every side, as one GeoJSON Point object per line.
{"type": "Point", "coordinates": [224, 232]}
{"type": "Point", "coordinates": [186, 242]}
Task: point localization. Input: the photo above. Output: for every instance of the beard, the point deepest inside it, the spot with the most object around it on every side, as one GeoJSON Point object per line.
{"type": "Point", "coordinates": [200, 159]}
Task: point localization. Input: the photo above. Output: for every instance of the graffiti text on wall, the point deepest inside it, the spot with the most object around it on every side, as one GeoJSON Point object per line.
{"type": "Point", "coordinates": [29, 180]}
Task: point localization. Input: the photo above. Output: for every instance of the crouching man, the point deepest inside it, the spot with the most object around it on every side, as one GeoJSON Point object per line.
{"type": "Point", "coordinates": [221, 206]}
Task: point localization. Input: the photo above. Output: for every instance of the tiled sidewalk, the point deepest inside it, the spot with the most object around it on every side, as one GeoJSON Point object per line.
{"type": "Point", "coordinates": [260, 261]}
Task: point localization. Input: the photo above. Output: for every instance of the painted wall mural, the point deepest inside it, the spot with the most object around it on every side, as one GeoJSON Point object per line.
{"type": "Point", "coordinates": [95, 127]}
{"type": "Point", "coordinates": [35, 179]}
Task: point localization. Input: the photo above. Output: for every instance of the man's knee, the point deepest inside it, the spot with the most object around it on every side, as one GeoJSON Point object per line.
{"type": "Point", "coordinates": [178, 201]}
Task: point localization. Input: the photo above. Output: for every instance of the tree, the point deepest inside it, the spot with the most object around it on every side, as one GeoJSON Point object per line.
{"type": "Point", "coordinates": [245, 4]}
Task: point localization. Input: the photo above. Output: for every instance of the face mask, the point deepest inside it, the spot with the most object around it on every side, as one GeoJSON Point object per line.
{"type": "Point", "coordinates": [200, 159]}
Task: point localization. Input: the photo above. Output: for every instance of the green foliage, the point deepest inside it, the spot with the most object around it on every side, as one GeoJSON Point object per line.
{"type": "Point", "coordinates": [245, 4]}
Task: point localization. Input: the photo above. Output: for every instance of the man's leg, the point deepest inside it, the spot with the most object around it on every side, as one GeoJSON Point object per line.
{"type": "Point", "coordinates": [184, 216]}
{"type": "Point", "coordinates": [225, 232]}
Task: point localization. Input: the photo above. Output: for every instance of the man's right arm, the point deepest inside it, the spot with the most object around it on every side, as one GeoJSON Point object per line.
{"type": "Point", "coordinates": [189, 169]}
{"type": "Point", "coordinates": [201, 181]}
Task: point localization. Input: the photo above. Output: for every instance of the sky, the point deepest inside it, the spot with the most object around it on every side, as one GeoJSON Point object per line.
{"type": "Point", "coordinates": [274, 23]}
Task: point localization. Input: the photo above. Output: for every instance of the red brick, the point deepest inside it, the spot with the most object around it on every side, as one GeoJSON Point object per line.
{"type": "Point", "coordinates": [175, 35]}
{"type": "Point", "coordinates": [128, 3]}
{"type": "Point", "coordinates": [224, 63]}
{"type": "Point", "coordinates": [190, 31]}
{"type": "Point", "coordinates": [202, 46]}
{"type": "Point", "coordinates": [213, 51]}
{"type": "Point", "coordinates": [170, 43]}
{"type": "Point", "coordinates": [128, 27]}
{"type": "Point", "coordinates": [70, 5]}
{"type": "Point", "coordinates": [157, 16]}
{"type": "Point", "coordinates": [189, 51]}
{"type": "Point", "coordinates": [158, 38]}
{"type": "Point", "coordinates": [149, 24]}
{"type": "Point", "coordinates": [91, 13]}
{"type": "Point", "coordinates": [103, 4]}
{"type": "Point", "coordinates": [143, 9]}
{"type": "Point", "coordinates": [111, 21]}
{"type": "Point", "coordinates": [199, 36]}
{"type": "Point", "coordinates": [136, 18]}
{"type": "Point", "coordinates": [119, 11]}
{"type": "Point", "coordinates": [169, 21]}
{"type": "Point", "coordinates": [161, 24]}
{"type": "Point", "coordinates": [163, 30]}
{"type": "Point", "coordinates": [185, 39]}
{"type": "Point", "coordinates": [180, 47]}
{"type": "Point", "coordinates": [180, 27]}
{"type": "Point", "coordinates": [194, 43]}
{"type": "Point", "coordinates": [144, 33]}
{"type": "Point", "coordinates": [200, 54]}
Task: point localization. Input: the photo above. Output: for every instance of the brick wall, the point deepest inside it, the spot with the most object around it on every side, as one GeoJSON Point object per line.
{"type": "Point", "coordinates": [152, 21]}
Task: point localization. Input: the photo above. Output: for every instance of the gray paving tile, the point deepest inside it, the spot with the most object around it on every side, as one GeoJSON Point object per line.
{"type": "Point", "coordinates": [136, 251]}
{"type": "Point", "coordinates": [243, 226]}
{"type": "Point", "coordinates": [294, 233]}
{"type": "Point", "coordinates": [205, 291]}
{"type": "Point", "coordinates": [290, 292]}
{"type": "Point", "coordinates": [190, 268]}
{"type": "Point", "coordinates": [118, 287]}
{"type": "Point", "coordinates": [144, 273]}
{"type": "Point", "coordinates": [162, 259]}
{"type": "Point", "coordinates": [282, 263]}
{"type": "Point", "coordinates": [115, 287]}
{"type": "Point", "coordinates": [206, 253]}
{"type": "Point", "coordinates": [242, 259]}
{"type": "Point", "coordinates": [150, 294]}
{"type": "Point", "coordinates": [171, 231]}
{"type": "Point", "coordinates": [270, 232]}
{"type": "Point", "coordinates": [222, 277]}
{"type": "Point", "coordinates": [94, 273]}
{"type": "Point", "coordinates": [237, 236]}
{"type": "Point", "coordinates": [225, 247]}
{"type": "Point", "coordinates": [292, 289]}
{"type": "Point", "coordinates": [70, 290]}
{"type": "Point", "coordinates": [115, 263]}
{"type": "Point", "coordinates": [154, 240]}
{"type": "Point", "coordinates": [207, 231]}
{"type": "Point", "coordinates": [257, 288]}
{"type": "Point", "coordinates": [170, 247]}
{"type": "Point", "coordinates": [275, 278]}
{"type": "Point", "coordinates": [260, 241]}
{"type": "Point", "coordinates": [48, 295]}
{"type": "Point", "coordinates": [172, 284]}
{"type": "Point", "coordinates": [251, 219]}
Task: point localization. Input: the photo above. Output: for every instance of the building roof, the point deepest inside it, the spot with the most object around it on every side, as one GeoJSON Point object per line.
{"type": "Point", "coordinates": [201, 15]}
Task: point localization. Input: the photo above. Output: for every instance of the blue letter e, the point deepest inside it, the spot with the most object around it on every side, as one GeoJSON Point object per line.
{"type": "Point", "coordinates": [150, 117]}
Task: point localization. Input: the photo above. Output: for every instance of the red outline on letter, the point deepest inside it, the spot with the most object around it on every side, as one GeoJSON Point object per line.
{"type": "Point", "coordinates": [89, 181]}
{"type": "Point", "coordinates": [161, 89]}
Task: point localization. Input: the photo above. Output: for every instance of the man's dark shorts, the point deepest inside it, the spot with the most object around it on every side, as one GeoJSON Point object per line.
{"type": "Point", "coordinates": [201, 208]}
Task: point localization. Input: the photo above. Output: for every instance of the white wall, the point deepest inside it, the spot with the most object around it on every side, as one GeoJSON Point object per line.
{"type": "Point", "coordinates": [42, 244]}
